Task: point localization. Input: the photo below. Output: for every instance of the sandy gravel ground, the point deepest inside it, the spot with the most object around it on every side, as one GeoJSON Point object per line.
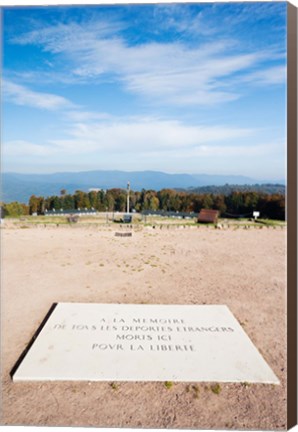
{"type": "Point", "coordinates": [242, 268]}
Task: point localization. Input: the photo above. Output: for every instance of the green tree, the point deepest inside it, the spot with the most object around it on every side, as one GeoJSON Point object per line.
{"type": "Point", "coordinates": [81, 200]}
{"type": "Point", "coordinates": [275, 207]}
{"type": "Point", "coordinates": [93, 199]}
{"type": "Point", "coordinates": [135, 200]}
{"type": "Point", "coordinates": [120, 202]}
{"type": "Point", "coordinates": [186, 202]}
{"type": "Point", "coordinates": [15, 209]}
{"type": "Point", "coordinates": [57, 203]}
{"type": "Point", "coordinates": [109, 201]}
{"type": "Point", "coordinates": [235, 203]}
{"type": "Point", "coordinates": [101, 200]}
{"type": "Point", "coordinates": [36, 205]}
{"type": "Point", "coordinates": [25, 209]}
{"type": "Point", "coordinates": [197, 202]}
{"type": "Point", "coordinates": [219, 204]}
{"type": "Point", "coordinates": [68, 202]}
{"type": "Point", "coordinates": [150, 200]}
{"type": "Point", "coordinates": [168, 199]}
{"type": "Point", "coordinates": [208, 201]}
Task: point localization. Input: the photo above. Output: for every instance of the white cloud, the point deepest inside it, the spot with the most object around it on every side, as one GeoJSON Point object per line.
{"type": "Point", "coordinates": [254, 150]}
{"type": "Point", "coordinates": [173, 72]}
{"type": "Point", "coordinates": [272, 75]}
{"type": "Point", "coordinates": [169, 73]}
{"type": "Point", "coordinates": [134, 136]}
{"type": "Point", "coordinates": [140, 136]}
{"type": "Point", "coordinates": [21, 95]}
{"type": "Point", "coordinates": [86, 116]}
{"type": "Point", "coordinates": [18, 148]}
{"type": "Point", "coordinates": [144, 135]}
{"type": "Point", "coordinates": [60, 37]}
{"type": "Point", "coordinates": [151, 143]}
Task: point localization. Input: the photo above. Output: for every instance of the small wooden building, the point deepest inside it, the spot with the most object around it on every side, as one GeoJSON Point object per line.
{"type": "Point", "coordinates": [208, 216]}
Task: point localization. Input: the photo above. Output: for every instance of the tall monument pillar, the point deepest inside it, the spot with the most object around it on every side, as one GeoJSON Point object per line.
{"type": "Point", "coordinates": [128, 190]}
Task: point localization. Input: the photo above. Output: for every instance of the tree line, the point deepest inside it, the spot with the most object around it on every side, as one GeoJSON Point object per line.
{"type": "Point", "coordinates": [227, 189]}
{"type": "Point", "coordinates": [235, 204]}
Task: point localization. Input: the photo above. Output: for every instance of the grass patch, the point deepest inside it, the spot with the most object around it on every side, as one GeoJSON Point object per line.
{"type": "Point", "coordinates": [271, 222]}
{"type": "Point", "coordinates": [168, 384]}
{"type": "Point", "coordinates": [194, 390]}
{"type": "Point", "coordinates": [215, 388]}
{"type": "Point", "coordinates": [114, 386]}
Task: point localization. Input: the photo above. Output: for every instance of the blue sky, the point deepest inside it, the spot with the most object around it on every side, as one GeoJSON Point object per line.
{"type": "Point", "coordinates": [180, 88]}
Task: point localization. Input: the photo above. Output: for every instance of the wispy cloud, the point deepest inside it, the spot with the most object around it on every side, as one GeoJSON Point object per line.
{"type": "Point", "coordinates": [86, 116]}
{"type": "Point", "coordinates": [152, 144]}
{"type": "Point", "coordinates": [58, 37]}
{"type": "Point", "coordinates": [184, 21]}
{"type": "Point", "coordinates": [173, 72]}
{"type": "Point", "coordinates": [271, 75]}
{"type": "Point", "coordinates": [216, 18]}
{"type": "Point", "coordinates": [133, 135]}
{"type": "Point", "coordinates": [18, 148]}
{"type": "Point", "coordinates": [21, 95]}
{"type": "Point", "coordinates": [147, 134]}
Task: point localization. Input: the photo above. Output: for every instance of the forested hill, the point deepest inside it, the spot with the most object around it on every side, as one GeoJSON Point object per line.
{"type": "Point", "coordinates": [19, 187]}
{"type": "Point", "coordinates": [227, 189]}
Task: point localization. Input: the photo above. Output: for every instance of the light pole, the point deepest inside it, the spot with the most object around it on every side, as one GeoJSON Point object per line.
{"type": "Point", "coordinates": [128, 189]}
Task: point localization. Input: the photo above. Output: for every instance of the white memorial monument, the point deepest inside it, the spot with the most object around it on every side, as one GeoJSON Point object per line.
{"type": "Point", "coordinates": [113, 342]}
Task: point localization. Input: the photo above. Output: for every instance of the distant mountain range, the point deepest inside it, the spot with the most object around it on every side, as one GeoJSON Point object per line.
{"type": "Point", "coordinates": [19, 187]}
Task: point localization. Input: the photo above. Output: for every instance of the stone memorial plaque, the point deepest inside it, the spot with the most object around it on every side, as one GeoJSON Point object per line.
{"type": "Point", "coordinates": [113, 342]}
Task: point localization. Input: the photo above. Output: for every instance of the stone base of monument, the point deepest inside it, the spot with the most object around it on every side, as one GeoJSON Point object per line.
{"type": "Point", "coordinates": [113, 342]}
{"type": "Point", "coordinates": [123, 234]}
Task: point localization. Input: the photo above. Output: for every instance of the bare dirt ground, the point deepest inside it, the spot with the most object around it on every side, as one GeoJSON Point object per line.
{"type": "Point", "coordinates": [244, 269]}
